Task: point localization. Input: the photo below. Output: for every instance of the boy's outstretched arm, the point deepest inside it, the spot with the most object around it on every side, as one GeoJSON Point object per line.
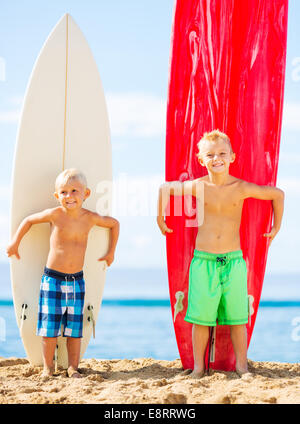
{"type": "Point", "coordinates": [113, 224]}
{"type": "Point", "coordinates": [274, 194]}
{"type": "Point", "coordinates": [172, 188]}
{"type": "Point", "coordinates": [24, 227]}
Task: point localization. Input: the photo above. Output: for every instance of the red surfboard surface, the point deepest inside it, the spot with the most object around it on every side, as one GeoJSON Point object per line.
{"type": "Point", "coordinates": [227, 70]}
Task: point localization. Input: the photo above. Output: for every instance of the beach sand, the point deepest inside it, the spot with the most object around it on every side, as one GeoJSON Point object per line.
{"type": "Point", "coordinates": [145, 380]}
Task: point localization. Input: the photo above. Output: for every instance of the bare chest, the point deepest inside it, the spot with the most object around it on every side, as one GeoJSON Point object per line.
{"type": "Point", "coordinates": [68, 230]}
{"type": "Point", "coordinates": [222, 200]}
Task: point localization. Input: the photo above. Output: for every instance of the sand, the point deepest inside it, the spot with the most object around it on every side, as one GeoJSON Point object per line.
{"type": "Point", "coordinates": [147, 381]}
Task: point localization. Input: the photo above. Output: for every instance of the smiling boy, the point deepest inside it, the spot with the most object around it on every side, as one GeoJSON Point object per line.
{"type": "Point", "coordinates": [218, 274]}
{"type": "Point", "coordinates": [62, 286]}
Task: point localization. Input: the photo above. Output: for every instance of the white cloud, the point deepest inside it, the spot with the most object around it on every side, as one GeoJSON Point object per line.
{"type": "Point", "coordinates": [4, 220]}
{"type": "Point", "coordinates": [136, 114]}
{"type": "Point", "coordinates": [141, 241]}
{"type": "Point", "coordinates": [16, 100]}
{"type": "Point", "coordinates": [4, 236]}
{"type": "Point", "coordinates": [4, 192]}
{"type": "Point", "coordinates": [12, 114]}
{"type": "Point", "coordinates": [289, 158]}
{"type": "Point", "coordinates": [2, 69]}
{"type": "Point", "coordinates": [291, 186]}
{"type": "Point", "coordinates": [9, 117]}
{"type": "Point", "coordinates": [291, 116]}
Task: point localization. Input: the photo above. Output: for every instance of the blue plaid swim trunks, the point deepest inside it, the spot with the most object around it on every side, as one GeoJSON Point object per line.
{"type": "Point", "coordinates": [61, 304]}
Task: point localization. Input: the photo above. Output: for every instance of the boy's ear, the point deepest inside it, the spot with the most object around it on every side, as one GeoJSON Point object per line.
{"type": "Point", "coordinates": [55, 195]}
{"type": "Point", "coordinates": [200, 161]}
{"type": "Point", "coordinates": [232, 157]}
{"type": "Point", "coordinates": [87, 193]}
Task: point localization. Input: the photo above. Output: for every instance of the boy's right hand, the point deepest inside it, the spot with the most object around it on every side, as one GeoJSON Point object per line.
{"type": "Point", "coordinates": [163, 226]}
{"type": "Point", "coordinates": [12, 249]}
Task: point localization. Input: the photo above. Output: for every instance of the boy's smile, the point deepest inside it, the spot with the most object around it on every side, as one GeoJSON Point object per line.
{"type": "Point", "coordinates": [72, 194]}
{"type": "Point", "coordinates": [216, 156]}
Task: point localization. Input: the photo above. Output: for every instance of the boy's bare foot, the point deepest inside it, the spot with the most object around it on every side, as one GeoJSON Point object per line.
{"type": "Point", "coordinates": [186, 371]}
{"type": "Point", "coordinates": [73, 373]}
{"type": "Point", "coordinates": [197, 374]}
{"type": "Point", "coordinates": [47, 372]}
{"type": "Point", "coordinates": [242, 371]}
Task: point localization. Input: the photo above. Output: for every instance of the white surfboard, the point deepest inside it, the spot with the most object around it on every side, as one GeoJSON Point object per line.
{"type": "Point", "coordinates": [64, 124]}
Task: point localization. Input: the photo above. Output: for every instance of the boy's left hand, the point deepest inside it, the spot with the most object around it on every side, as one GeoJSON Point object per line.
{"type": "Point", "coordinates": [271, 234]}
{"type": "Point", "coordinates": [109, 258]}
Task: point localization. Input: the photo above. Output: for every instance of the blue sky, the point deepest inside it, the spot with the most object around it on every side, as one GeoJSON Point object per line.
{"type": "Point", "coordinates": [130, 41]}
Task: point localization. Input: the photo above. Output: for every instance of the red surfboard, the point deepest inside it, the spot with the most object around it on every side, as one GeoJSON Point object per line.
{"type": "Point", "coordinates": [227, 71]}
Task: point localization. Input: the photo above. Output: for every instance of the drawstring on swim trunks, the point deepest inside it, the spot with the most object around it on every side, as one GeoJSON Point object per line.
{"type": "Point", "coordinates": [74, 292]}
{"type": "Point", "coordinates": [221, 259]}
{"type": "Point", "coordinates": [66, 289]}
{"type": "Point", "coordinates": [74, 297]}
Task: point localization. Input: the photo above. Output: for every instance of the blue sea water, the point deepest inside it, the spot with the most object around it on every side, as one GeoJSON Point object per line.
{"type": "Point", "coordinates": [135, 318]}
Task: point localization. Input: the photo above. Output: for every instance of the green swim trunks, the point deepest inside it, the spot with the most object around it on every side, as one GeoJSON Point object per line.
{"type": "Point", "coordinates": [217, 289]}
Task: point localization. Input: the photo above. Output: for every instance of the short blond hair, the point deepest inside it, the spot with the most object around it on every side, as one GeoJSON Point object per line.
{"type": "Point", "coordinates": [214, 136]}
{"type": "Point", "coordinates": [70, 174]}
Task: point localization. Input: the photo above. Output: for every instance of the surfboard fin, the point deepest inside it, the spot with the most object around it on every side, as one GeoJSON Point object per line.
{"type": "Point", "coordinates": [178, 307]}
{"type": "Point", "coordinates": [250, 307]}
{"type": "Point", "coordinates": [23, 316]}
{"type": "Point", "coordinates": [91, 318]}
{"type": "Point", "coordinates": [55, 358]}
{"type": "Point", "coordinates": [213, 345]}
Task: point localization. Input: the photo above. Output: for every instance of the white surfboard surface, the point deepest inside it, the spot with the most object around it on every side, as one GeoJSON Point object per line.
{"type": "Point", "coordinates": [64, 124]}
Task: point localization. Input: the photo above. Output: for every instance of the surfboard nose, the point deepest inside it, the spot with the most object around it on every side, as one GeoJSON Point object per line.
{"type": "Point", "coordinates": [65, 17]}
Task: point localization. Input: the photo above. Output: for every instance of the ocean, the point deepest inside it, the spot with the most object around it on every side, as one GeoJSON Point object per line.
{"type": "Point", "coordinates": [135, 318]}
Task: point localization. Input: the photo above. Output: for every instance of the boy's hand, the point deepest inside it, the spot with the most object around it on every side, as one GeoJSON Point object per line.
{"type": "Point", "coordinates": [271, 234]}
{"type": "Point", "coordinates": [12, 249]}
{"type": "Point", "coordinates": [163, 226]}
{"type": "Point", "coordinates": [109, 258]}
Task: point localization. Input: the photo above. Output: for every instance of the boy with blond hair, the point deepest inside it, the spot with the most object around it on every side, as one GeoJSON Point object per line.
{"type": "Point", "coordinates": [70, 224]}
{"type": "Point", "coordinates": [213, 294]}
